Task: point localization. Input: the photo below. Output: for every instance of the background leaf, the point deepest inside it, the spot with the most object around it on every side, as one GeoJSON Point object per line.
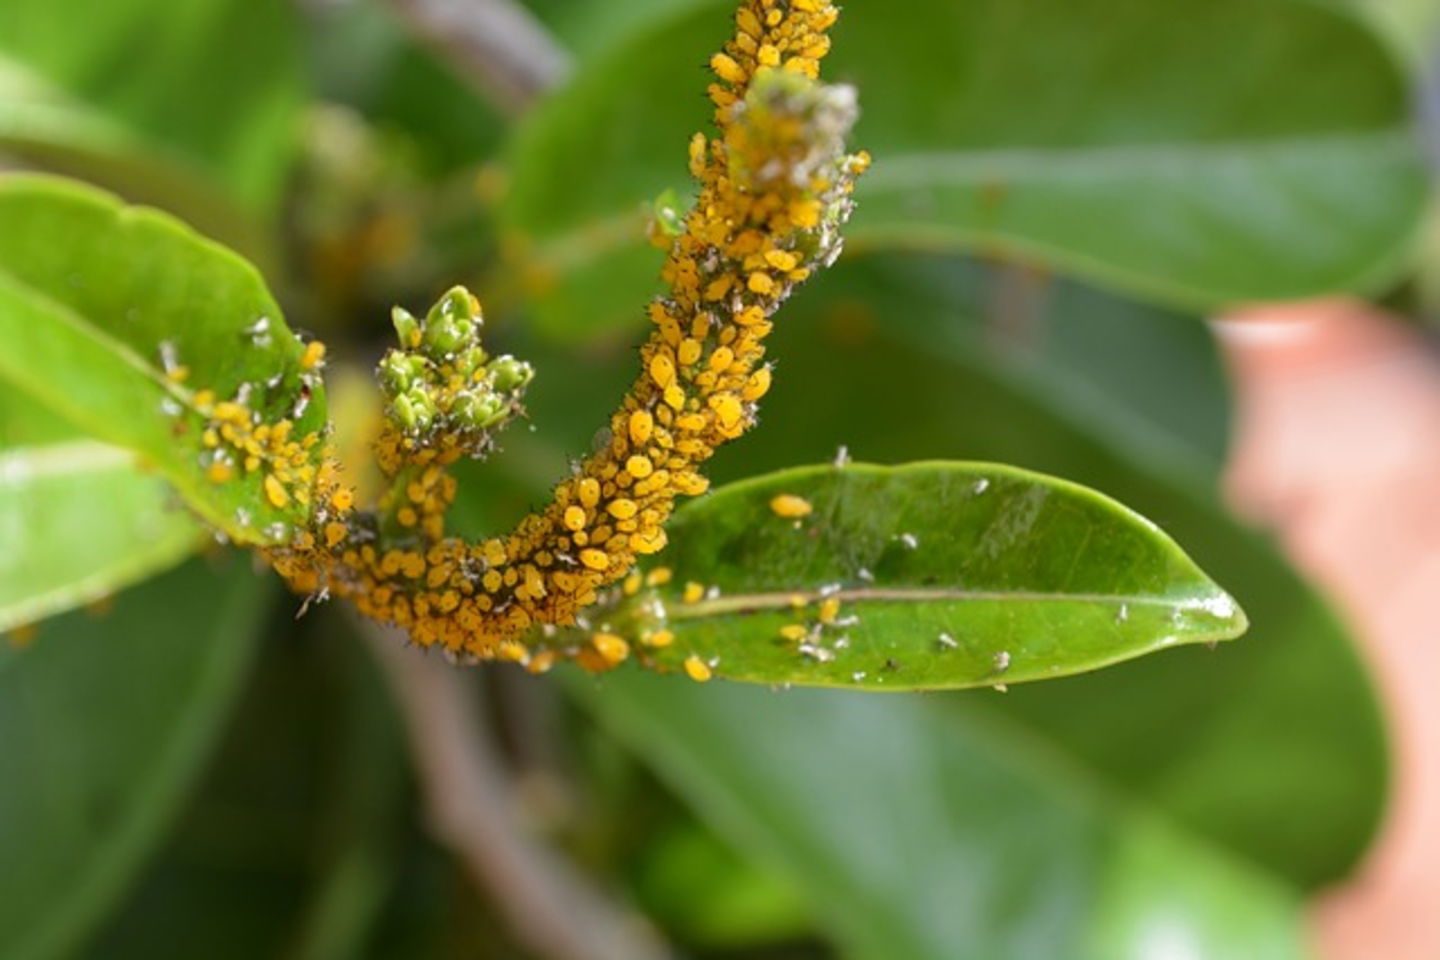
{"type": "Point", "coordinates": [920, 830]}
{"type": "Point", "coordinates": [92, 294]}
{"type": "Point", "coordinates": [104, 723]}
{"type": "Point", "coordinates": [213, 84]}
{"type": "Point", "coordinates": [1096, 137]}
{"type": "Point", "coordinates": [946, 574]}
{"type": "Point", "coordinates": [80, 518]}
{"type": "Point", "coordinates": [292, 841]}
{"type": "Point", "coordinates": [909, 355]}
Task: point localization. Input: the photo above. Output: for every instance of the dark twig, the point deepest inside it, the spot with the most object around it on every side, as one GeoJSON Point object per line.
{"type": "Point", "coordinates": [497, 46]}
{"type": "Point", "coordinates": [472, 811]}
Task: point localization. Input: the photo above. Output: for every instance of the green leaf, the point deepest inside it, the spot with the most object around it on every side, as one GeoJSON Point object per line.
{"type": "Point", "coordinates": [922, 828]}
{"type": "Point", "coordinates": [906, 356]}
{"type": "Point", "coordinates": [104, 724]}
{"type": "Point", "coordinates": [80, 521]}
{"type": "Point", "coordinates": [1096, 137]}
{"type": "Point", "coordinates": [49, 128]}
{"type": "Point", "coordinates": [1232, 741]}
{"type": "Point", "coordinates": [94, 295]}
{"type": "Point", "coordinates": [947, 575]}
{"type": "Point", "coordinates": [291, 842]}
{"type": "Point", "coordinates": [216, 85]}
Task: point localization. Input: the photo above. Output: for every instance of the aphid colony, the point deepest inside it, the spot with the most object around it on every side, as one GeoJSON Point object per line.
{"type": "Point", "coordinates": [236, 442]}
{"type": "Point", "coordinates": [775, 188]}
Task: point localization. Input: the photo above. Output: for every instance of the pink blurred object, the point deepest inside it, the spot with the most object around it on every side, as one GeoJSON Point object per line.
{"type": "Point", "coordinates": [1337, 449]}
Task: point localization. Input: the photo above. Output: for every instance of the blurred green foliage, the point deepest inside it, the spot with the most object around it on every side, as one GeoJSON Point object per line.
{"type": "Point", "coordinates": [1058, 185]}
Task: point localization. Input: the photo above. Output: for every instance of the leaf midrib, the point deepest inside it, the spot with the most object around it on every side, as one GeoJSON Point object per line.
{"type": "Point", "coordinates": [752, 602]}
{"type": "Point", "coordinates": [71, 458]}
{"type": "Point", "coordinates": [908, 169]}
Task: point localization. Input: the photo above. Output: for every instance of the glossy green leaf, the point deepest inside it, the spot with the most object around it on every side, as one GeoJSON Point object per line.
{"type": "Point", "coordinates": [213, 85]}
{"type": "Point", "coordinates": [94, 295]}
{"type": "Point", "coordinates": [79, 518]}
{"type": "Point", "coordinates": [79, 521]}
{"type": "Point", "coordinates": [104, 724]}
{"type": "Point", "coordinates": [44, 126]}
{"type": "Point", "coordinates": [1095, 137]}
{"type": "Point", "coordinates": [946, 575]}
{"type": "Point", "coordinates": [291, 841]}
{"type": "Point", "coordinates": [922, 828]}
{"type": "Point", "coordinates": [903, 357]}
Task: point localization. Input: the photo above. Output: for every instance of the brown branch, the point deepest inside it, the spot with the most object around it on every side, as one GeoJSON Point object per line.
{"type": "Point", "coordinates": [497, 46]}
{"type": "Point", "coordinates": [472, 811]}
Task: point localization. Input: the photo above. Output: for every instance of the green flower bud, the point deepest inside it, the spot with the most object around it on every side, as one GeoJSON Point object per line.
{"type": "Point", "coordinates": [407, 328]}
{"type": "Point", "coordinates": [509, 374]}
{"type": "Point", "coordinates": [469, 360]}
{"type": "Point", "coordinates": [394, 372]}
{"type": "Point", "coordinates": [666, 214]}
{"type": "Point", "coordinates": [403, 413]}
{"type": "Point", "coordinates": [457, 303]}
{"type": "Point", "coordinates": [422, 407]}
{"type": "Point", "coordinates": [477, 411]}
{"type": "Point", "coordinates": [444, 335]}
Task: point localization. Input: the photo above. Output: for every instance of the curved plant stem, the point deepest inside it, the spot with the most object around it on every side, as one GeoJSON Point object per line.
{"type": "Point", "coordinates": [551, 909]}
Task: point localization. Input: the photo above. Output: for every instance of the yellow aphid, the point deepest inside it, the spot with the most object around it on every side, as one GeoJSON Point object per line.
{"type": "Point", "coordinates": [275, 491]}
{"type": "Point", "coordinates": [757, 385]}
{"type": "Point", "coordinates": [718, 287]}
{"type": "Point", "coordinates": [829, 609]}
{"type": "Point", "coordinates": [693, 592]}
{"type": "Point", "coordinates": [178, 374]}
{"type": "Point", "coordinates": [342, 499]}
{"type": "Point", "coordinates": [659, 577]}
{"type": "Point", "coordinates": [574, 517]}
{"type": "Point", "coordinates": [782, 260]}
{"type": "Point", "coordinates": [639, 466]}
{"type": "Point", "coordinates": [231, 412]}
{"type": "Point", "coordinates": [697, 669]}
{"type": "Point", "coordinates": [761, 283]}
{"type": "Point", "coordinates": [727, 409]}
{"type": "Point", "coordinates": [649, 541]}
{"type": "Point", "coordinates": [727, 69]}
{"type": "Point", "coordinates": [622, 509]}
{"type": "Point", "coordinates": [313, 356]}
{"type": "Point", "coordinates": [541, 662]}
{"type": "Point", "coordinates": [220, 471]}
{"type": "Point", "coordinates": [512, 651]}
{"type": "Point", "coordinates": [407, 516]}
{"type": "Point", "coordinates": [335, 533]}
{"type": "Point", "coordinates": [588, 490]}
{"type": "Point", "coordinates": [594, 559]}
{"type": "Point", "coordinates": [662, 370]}
{"type": "Point", "coordinates": [642, 425]}
{"type": "Point", "coordinates": [204, 400]}
{"type": "Point", "coordinates": [794, 631]}
{"type": "Point", "coordinates": [632, 584]}
{"type": "Point", "coordinates": [658, 638]}
{"type": "Point", "coordinates": [790, 506]}
{"type": "Point", "coordinates": [721, 359]}
{"type": "Point", "coordinates": [689, 351]}
{"type": "Point", "coordinates": [612, 647]}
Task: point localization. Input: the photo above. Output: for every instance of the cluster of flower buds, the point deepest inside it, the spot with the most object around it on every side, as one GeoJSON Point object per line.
{"type": "Point", "coordinates": [441, 383]}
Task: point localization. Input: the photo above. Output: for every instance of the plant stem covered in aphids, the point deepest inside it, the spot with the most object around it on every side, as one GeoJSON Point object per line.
{"type": "Point", "coordinates": [775, 186]}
